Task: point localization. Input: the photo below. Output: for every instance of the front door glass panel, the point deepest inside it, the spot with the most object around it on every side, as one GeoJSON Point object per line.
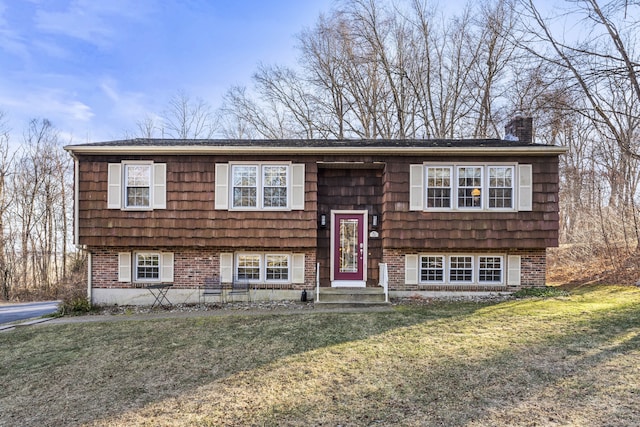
{"type": "Point", "coordinates": [349, 250]}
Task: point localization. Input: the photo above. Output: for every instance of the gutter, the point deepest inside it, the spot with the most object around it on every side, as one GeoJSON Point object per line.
{"type": "Point", "coordinates": [531, 150]}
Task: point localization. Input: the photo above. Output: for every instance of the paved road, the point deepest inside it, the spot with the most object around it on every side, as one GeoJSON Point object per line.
{"type": "Point", "coordinates": [13, 312]}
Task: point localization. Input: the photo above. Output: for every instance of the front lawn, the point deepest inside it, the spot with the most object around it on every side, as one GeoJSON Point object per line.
{"type": "Point", "coordinates": [567, 360]}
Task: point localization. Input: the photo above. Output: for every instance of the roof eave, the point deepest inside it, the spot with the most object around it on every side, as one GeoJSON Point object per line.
{"type": "Point", "coordinates": [532, 150]}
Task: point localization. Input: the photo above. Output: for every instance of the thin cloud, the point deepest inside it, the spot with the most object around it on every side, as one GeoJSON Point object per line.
{"type": "Point", "coordinates": [95, 22]}
{"type": "Point", "coordinates": [10, 40]}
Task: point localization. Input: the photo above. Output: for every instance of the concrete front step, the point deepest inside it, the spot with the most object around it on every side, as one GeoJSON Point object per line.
{"type": "Point", "coordinates": [351, 297]}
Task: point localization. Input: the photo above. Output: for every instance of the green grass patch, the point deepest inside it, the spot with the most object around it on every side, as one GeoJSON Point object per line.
{"type": "Point", "coordinates": [543, 292]}
{"type": "Point", "coordinates": [533, 361]}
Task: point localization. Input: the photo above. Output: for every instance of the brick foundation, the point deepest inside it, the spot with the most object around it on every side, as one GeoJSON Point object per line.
{"type": "Point", "coordinates": [532, 272]}
{"type": "Point", "coordinates": [190, 267]}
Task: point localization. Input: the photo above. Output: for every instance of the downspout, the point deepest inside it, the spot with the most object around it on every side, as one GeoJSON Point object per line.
{"type": "Point", "coordinates": [76, 224]}
{"type": "Point", "coordinates": [76, 198]}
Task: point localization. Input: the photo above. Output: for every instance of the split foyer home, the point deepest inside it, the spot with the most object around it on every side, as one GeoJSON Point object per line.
{"type": "Point", "coordinates": [407, 216]}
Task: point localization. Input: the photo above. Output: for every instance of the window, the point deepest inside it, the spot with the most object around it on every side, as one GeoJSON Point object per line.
{"type": "Point", "coordinates": [263, 267]}
{"type": "Point", "coordinates": [432, 269]}
{"type": "Point", "coordinates": [147, 267]}
{"type": "Point", "coordinates": [268, 186]}
{"type": "Point", "coordinates": [245, 186]}
{"type": "Point", "coordinates": [257, 186]}
{"type": "Point", "coordinates": [275, 186]}
{"type": "Point", "coordinates": [248, 267]}
{"type": "Point", "coordinates": [458, 269]}
{"type": "Point", "coordinates": [470, 187]}
{"type": "Point", "coordinates": [500, 186]}
{"type": "Point", "coordinates": [137, 185]}
{"type": "Point", "coordinates": [461, 269]}
{"type": "Point", "coordinates": [490, 269]}
{"type": "Point", "coordinates": [277, 267]}
{"type": "Point", "coordinates": [438, 187]}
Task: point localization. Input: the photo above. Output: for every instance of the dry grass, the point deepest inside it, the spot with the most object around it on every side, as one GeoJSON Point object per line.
{"type": "Point", "coordinates": [561, 361]}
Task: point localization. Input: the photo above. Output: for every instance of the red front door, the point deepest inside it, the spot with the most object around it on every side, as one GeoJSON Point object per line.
{"type": "Point", "coordinates": [349, 249]}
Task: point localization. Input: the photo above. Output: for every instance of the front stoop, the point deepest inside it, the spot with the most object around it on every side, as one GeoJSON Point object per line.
{"type": "Point", "coordinates": [351, 297]}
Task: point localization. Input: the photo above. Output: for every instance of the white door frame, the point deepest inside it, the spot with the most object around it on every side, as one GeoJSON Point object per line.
{"type": "Point", "coordinates": [365, 234]}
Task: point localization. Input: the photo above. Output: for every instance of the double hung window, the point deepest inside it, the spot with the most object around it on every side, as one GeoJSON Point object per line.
{"type": "Point", "coordinates": [137, 179]}
{"type": "Point", "coordinates": [500, 187]}
{"type": "Point", "coordinates": [461, 269]}
{"type": "Point", "coordinates": [468, 187]}
{"type": "Point", "coordinates": [137, 185]}
{"type": "Point", "coordinates": [260, 186]}
{"type": "Point", "coordinates": [263, 267]}
{"type": "Point", "coordinates": [438, 187]}
{"type": "Point", "coordinates": [432, 268]}
{"type": "Point", "coordinates": [147, 267]}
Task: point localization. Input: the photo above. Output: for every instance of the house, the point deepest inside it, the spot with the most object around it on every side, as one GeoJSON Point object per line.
{"type": "Point", "coordinates": [417, 216]}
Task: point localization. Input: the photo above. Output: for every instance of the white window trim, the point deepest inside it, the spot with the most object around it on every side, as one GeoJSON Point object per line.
{"type": "Point", "coordinates": [474, 270]}
{"type": "Point", "coordinates": [124, 185]}
{"type": "Point", "coordinates": [484, 204]}
{"type": "Point", "coordinates": [475, 260]}
{"type": "Point", "coordinates": [117, 185]}
{"type": "Point", "coordinates": [289, 268]}
{"type": "Point", "coordinates": [444, 269]}
{"type": "Point", "coordinates": [237, 266]}
{"type": "Point", "coordinates": [263, 266]}
{"type": "Point", "coordinates": [260, 186]}
{"type": "Point", "coordinates": [128, 267]}
{"type": "Point", "coordinates": [502, 269]}
{"type": "Point", "coordinates": [427, 187]}
{"type": "Point", "coordinates": [135, 267]}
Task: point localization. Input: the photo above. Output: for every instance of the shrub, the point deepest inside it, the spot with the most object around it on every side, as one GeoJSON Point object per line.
{"type": "Point", "coordinates": [544, 292]}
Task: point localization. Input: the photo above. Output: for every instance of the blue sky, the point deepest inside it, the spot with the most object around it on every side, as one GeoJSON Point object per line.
{"type": "Point", "coordinates": [95, 67]}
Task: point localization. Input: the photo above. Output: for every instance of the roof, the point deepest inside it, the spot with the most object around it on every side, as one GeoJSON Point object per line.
{"type": "Point", "coordinates": [313, 146]}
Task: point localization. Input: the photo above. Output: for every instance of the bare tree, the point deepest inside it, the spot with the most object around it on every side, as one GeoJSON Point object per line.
{"type": "Point", "coordinates": [602, 64]}
{"type": "Point", "coordinates": [6, 266]}
{"type": "Point", "coordinates": [188, 118]}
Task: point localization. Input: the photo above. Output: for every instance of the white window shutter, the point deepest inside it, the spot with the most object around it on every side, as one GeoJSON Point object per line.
{"type": "Point", "coordinates": [159, 186]}
{"type": "Point", "coordinates": [124, 267]}
{"type": "Point", "coordinates": [411, 269]}
{"type": "Point", "coordinates": [297, 186]}
{"type": "Point", "coordinates": [525, 188]}
{"type": "Point", "coordinates": [226, 267]}
{"type": "Point", "coordinates": [222, 186]}
{"type": "Point", "coordinates": [513, 272]}
{"type": "Point", "coordinates": [166, 267]}
{"type": "Point", "coordinates": [114, 190]}
{"type": "Point", "coordinates": [297, 268]}
{"type": "Point", "coordinates": [416, 190]}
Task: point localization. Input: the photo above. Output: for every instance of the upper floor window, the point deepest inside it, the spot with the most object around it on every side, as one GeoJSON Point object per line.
{"type": "Point", "coordinates": [469, 187]}
{"type": "Point", "coordinates": [271, 186]}
{"type": "Point", "coordinates": [137, 185]}
{"type": "Point", "coordinates": [438, 187]}
{"type": "Point", "coordinates": [137, 180]}
{"type": "Point", "coordinates": [500, 186]}
{"type": "Point", "coordinates": [256, 186]}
